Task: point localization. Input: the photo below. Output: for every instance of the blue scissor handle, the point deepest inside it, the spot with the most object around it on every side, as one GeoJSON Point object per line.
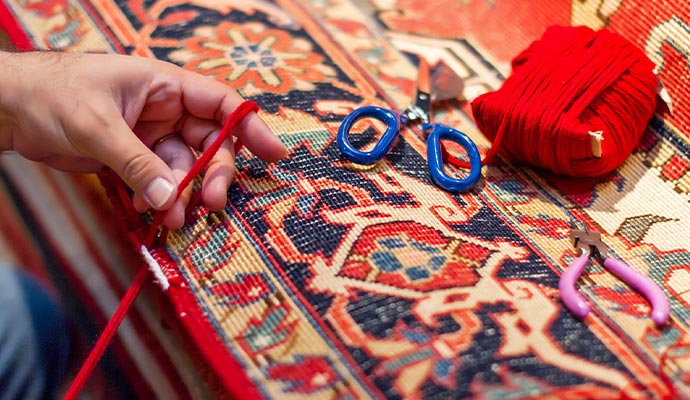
{"type": "Point", "coordinates": [388, 117]}
{"type": "Point", "coordinates": [435, 157]}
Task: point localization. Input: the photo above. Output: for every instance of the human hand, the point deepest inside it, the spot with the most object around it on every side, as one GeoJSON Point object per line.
{"type": "Point", "coordinates": [80, 112]}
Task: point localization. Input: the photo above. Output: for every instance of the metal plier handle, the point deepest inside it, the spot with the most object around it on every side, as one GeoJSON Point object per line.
{"type": "Point", "coordinates": [589, 243]}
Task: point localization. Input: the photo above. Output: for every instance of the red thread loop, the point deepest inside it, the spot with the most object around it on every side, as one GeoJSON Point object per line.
{"type": "Point", "coordinates": [571, 82]}
{"type": "Point", "coordinates": [141, 277]}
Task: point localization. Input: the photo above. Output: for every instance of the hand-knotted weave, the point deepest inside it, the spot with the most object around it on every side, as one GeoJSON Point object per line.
{"type": "Point", "coordinates": [322, 280]}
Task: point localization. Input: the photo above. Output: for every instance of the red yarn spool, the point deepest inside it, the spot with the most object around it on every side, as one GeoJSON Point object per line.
{"type": "Point", "coordinates": [564, 88]}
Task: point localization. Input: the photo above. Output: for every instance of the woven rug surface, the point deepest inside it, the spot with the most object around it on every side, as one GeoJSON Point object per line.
{"type": "Point", "coordinates": [320, 280]}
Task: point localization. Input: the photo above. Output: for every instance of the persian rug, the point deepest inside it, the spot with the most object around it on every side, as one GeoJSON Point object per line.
{"type": "Point", "coordinates": [321, 280]}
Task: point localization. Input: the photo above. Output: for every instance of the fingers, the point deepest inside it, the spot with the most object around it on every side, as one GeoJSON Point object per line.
{"type": "Point", "coordinates": [220, 172]}
{"type": "Point", "coordinates": [174, 150]}
{"type": "Point", "coordinates": [208, 99]}
{"type": "Point", "coordinates": [204, 104]}
{"type": "Point", "coordinates": [100, 132]}
{"type": "Point", "coordinates": [219, 175]}
{"type": "Point", "coordinates": [177, 155]}
{"type": "Point", "coordinates": [260, 140]}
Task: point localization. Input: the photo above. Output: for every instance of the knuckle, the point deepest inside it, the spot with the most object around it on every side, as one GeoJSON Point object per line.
{"type": "Point", "coordinates": [135, 168]}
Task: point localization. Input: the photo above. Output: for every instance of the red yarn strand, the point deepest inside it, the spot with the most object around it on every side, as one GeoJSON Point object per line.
{"type": "Point", "coordinates": [142, 275]}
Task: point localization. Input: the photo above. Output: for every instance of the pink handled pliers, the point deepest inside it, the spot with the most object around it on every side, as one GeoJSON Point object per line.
{"type": "Point", "coordinates": [589, 244]}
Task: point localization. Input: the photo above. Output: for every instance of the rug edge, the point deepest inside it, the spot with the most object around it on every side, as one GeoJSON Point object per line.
{"type": "Point", "coordinates": [187, 312]}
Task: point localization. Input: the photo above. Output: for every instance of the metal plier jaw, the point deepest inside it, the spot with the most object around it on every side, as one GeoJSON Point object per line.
{"type": "Point", "coordinates": [589, 243]}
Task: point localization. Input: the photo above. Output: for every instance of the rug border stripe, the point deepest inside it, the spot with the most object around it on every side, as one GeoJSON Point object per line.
{"type": "Point", "coordinates": [190, 315]}
{"type": "Point", "coordinates": [10, 24]}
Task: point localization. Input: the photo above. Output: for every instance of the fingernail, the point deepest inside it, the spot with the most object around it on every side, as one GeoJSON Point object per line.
{"type": "Point", "coordinates": [158, 192]}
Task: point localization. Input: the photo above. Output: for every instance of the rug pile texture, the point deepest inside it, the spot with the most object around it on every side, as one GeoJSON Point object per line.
{"type": "Point", "coordinates": [321, 280]}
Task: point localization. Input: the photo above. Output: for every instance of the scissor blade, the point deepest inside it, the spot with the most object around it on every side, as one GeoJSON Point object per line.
{"type": "Point", "coordinates": [446, 84]}
{"type": "Point", "coordinates": [423, 97]}
{"type": "Point", "coordinates": [423, 76]}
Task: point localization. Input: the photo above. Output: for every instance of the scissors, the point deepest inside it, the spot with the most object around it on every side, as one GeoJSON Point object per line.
{"type": "Point", "coordinates": [589, 243]}
{"type": "Point", "coordinates": [419, 111]}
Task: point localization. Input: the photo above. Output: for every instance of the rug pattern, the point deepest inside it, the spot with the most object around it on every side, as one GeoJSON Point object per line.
{"type": "Point", "coordinates": [329, 281]}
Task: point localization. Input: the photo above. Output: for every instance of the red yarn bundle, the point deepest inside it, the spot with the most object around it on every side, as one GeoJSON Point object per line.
{"type": "Point", "coordinates": [572, 94]}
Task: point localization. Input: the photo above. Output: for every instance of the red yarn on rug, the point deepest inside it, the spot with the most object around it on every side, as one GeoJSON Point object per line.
{"type": "Point", "coordinates": [143, 274]}
{"type": "Point", "coordinates": [565, 89]}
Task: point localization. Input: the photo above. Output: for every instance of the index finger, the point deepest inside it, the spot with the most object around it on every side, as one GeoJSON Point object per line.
{"type": "Point", "coordinates": [207, 98]}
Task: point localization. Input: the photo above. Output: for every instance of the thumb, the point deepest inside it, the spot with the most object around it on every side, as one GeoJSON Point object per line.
{"type": "Point", "coordinates": [116, 146]}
